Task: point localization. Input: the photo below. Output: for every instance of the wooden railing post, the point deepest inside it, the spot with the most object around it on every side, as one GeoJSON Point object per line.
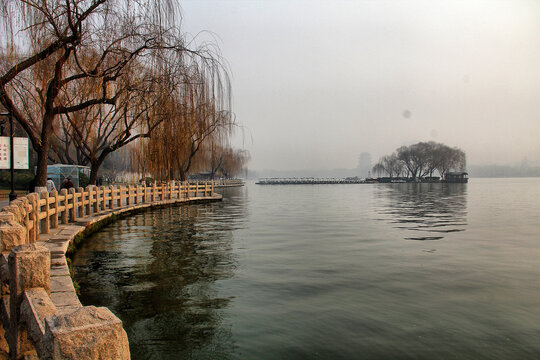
{"type": "Point", "coordinates": [98, 199]}
{"type": "Point", "coordinates": [64, 193]}
{"type": "Point", "coordinates": [94, 192]}
{"type": "Point", "coordinates": [54, 217]}
{"type": "Point", "coordinates": [45, 226]}
{"type": "Point", "coordinates": [119, 198]}
{"type": "Point", "coordinates": [82, 202]}
{"type": "Point", "coordinates": [72, 209]}
{"type": "Point", "coordinates": [128, 199]}
{"type": "Point", "coordinates": [92, 199]}
{"type": "Point", "coordinates": [136, 200]}
{"type": "Point", "coordinates": [34, 217]}
{"type": "Point", "coordinates": [111, 201]}
{"type": "Point", "coordinates": [102, 199]}
{"type": "Point", "coordinates": [26, 216]}
{"type": "Point", "coordinates": [85, 195]}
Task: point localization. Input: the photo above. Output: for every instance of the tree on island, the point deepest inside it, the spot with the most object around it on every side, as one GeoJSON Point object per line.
{"type": "Point", "coordinates": [421, 160]}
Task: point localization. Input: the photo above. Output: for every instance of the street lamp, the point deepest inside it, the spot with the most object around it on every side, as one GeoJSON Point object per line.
{"type": "Point", "coordinates": [12, 194]}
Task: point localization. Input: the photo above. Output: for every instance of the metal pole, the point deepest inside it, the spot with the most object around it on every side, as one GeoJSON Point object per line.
{"type": "Point", "coordinates": [12, 194]}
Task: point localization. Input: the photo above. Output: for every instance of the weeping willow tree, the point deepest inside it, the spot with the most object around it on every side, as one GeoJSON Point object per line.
{"type": "Point", "coordinates": [144, 102]}
{"type": "Point", "coordinates": [52, 49]}
{"type": "Point", "coordinates": [198, 111]}
{"type": "Point", "coordinates": [220, 159]}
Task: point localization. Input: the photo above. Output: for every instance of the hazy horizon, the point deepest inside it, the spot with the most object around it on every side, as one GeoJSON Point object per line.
{"type": "Point", "coordinates": [316, 83]}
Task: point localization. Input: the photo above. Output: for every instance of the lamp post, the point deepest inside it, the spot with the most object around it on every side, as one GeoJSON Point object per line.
{"type": "Point", "coordinates": [12, 194]}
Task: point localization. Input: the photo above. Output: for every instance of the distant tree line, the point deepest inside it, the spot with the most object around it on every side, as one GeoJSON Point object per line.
{"type": "Point", "coordinates": [421, 160]}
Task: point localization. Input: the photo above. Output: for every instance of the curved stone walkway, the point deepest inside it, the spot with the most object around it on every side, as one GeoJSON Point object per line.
{"type": "Point", "coordinates": [58, 241]}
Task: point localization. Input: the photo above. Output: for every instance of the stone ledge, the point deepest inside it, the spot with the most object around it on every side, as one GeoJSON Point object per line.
{"type": "Point", "coordinates": [87, 333]}
{"type": "Point", "coordinates": [59, 240]}
{"type": "Point", "coordinates": [60, 316]}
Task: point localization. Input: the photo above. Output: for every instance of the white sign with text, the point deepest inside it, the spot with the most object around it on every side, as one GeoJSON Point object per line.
{"type": "Point", "coordinates": [20, 147]}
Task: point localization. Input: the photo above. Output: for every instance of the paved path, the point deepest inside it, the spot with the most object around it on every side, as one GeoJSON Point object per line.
{"type": "Point", "coordinates": [58, 240]}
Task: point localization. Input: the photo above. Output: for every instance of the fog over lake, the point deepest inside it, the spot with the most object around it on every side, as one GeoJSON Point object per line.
{"type": "Point", "coordinates": [316, 83]}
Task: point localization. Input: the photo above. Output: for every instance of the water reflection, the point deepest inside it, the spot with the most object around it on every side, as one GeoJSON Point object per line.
{"type": "Point", "coordinates": [426, 211]}
{"type": "Point", "coordinates": [159, 272]}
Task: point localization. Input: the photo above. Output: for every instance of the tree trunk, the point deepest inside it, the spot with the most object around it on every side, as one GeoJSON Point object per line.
{"type": "Point", "coordinates": [42, 160]}
{"type": "Point", "coordinates": [43, 151]}
{"type": "Point", "coordinates": [94, 169]}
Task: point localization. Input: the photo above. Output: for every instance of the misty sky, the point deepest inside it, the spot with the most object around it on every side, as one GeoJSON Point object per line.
{"type": "Point", "coordinates": [315, 83]}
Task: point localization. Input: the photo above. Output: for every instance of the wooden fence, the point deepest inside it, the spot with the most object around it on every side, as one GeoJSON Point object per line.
{"type": "Point", "coordinates": [40, 213]}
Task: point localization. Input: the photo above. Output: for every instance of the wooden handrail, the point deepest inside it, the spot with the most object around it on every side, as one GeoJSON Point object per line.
{"type": "Point", "coordinates": [40, 213]}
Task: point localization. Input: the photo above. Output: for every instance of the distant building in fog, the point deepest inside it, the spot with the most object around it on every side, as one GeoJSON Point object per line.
{"type": "Point", "coordinates": [364, 164]}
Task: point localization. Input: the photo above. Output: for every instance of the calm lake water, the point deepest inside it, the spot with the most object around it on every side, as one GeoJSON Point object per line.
{"type": "Point", "coordinates": [374, 271]}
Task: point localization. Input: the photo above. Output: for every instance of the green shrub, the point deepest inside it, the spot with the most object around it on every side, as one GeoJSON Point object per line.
{"type": "Point", "coordinates": [22, 179]}
{"type": "Point", "coordinates": [84, 180]}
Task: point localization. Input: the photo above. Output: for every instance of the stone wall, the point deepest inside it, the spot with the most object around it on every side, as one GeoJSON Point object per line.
{"type": "Point", "coordinates": [40, 311]}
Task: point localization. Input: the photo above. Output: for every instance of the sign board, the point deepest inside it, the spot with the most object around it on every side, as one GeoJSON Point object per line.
{"type": "Point", "coordinates": [20, 147]}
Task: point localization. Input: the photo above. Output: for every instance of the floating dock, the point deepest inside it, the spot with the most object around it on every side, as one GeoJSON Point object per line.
{"type": "Point", "coordinates": [312, 181]}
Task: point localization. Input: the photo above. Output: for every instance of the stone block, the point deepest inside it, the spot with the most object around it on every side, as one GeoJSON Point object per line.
{"type": "Point", "coordinates": [59, 270]}
{"type": "Point", "coordinates": [35, 307]}
{"type": "Point", "coordinates": [29, 266]}
{"type": "Point", "coordinates": [62, 284]}
{"type": "Point", "coordinates": [58, 261]}
{"type": "Point", "coordinates": [87, 333]}
{"type": "Point", "coordinates": [63, 310]}
{"type": "Point", "coordinates": [11, 232]}
{"type": "Point", "coordinates": [14, 209]}
{"type": "Point", "coordinates": [67, 298]}
{"type": "Point", "coordinates": [57, 248]}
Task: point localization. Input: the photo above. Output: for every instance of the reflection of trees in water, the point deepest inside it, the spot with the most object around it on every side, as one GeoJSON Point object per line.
{"type": "Point", "coordinates": [160, 279]}
{"type": "Point", "coordinates": [426, 210]}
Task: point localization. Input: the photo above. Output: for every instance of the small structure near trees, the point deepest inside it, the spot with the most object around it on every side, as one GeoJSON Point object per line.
{"type": "Point", "coordinates": [456, 177]}
{"type": "Point", "coordinates": [59, 172]}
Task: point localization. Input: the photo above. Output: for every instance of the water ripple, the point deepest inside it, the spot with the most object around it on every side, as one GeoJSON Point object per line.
{"type": "Point", "coordinates": [423, 208]}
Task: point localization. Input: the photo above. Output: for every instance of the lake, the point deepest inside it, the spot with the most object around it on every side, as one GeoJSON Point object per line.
{"type": "Point", "coordinates": [365, 271]}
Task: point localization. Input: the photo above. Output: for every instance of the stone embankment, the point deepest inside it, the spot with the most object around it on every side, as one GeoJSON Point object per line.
{"type": "Point", "coordinates": [41, 314]}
